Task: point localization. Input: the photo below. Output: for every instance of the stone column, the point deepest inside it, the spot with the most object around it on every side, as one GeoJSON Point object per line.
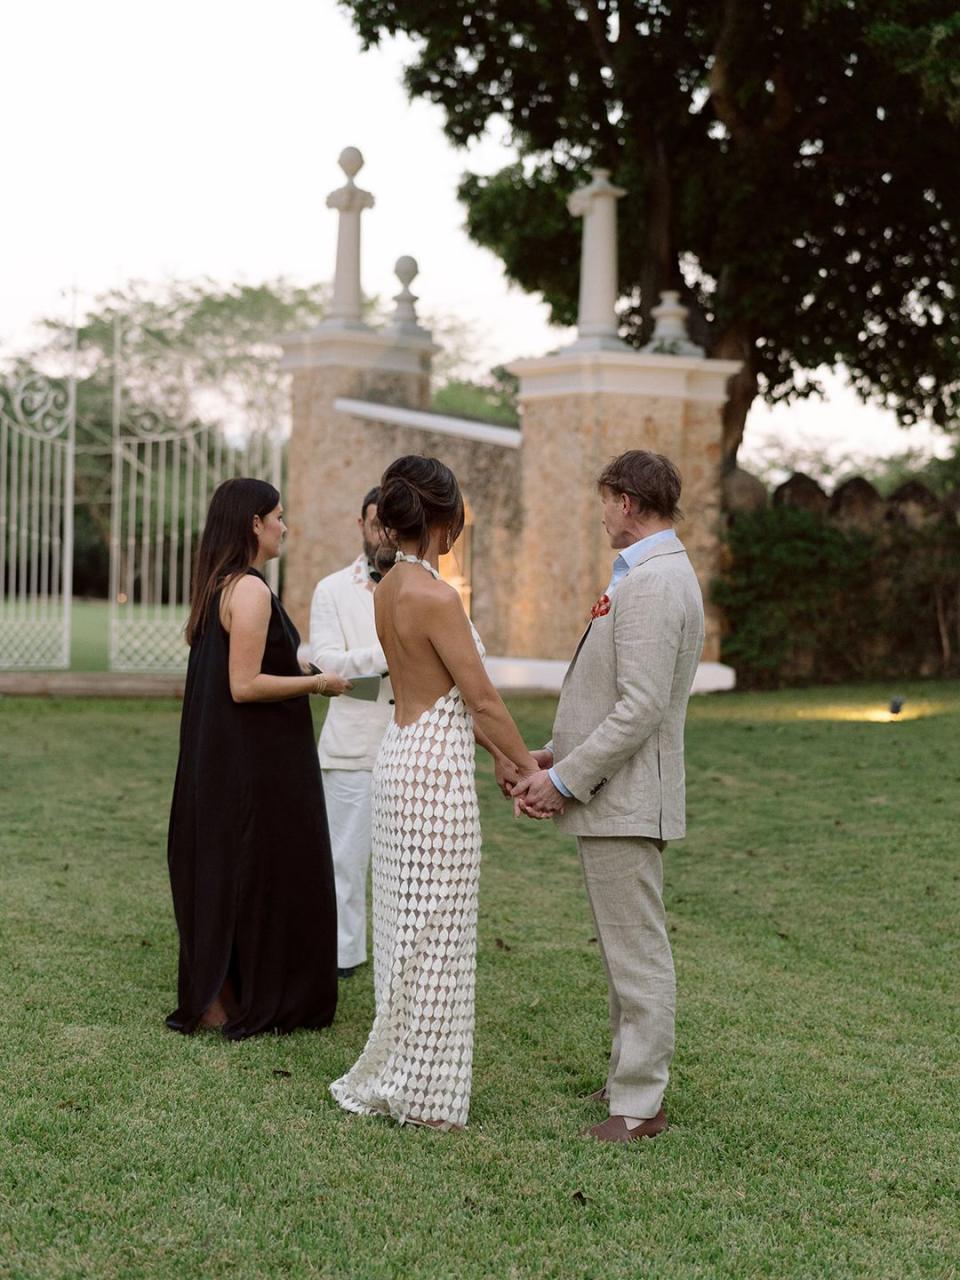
{"type": "Point", "coordinates": [335, 457]}
{"type": "Point", "coordinates": [596, 203]}
{"type": "Point", "coordinates": [584, 405]}
{"type": "Point", "coordinates": [350, 201]}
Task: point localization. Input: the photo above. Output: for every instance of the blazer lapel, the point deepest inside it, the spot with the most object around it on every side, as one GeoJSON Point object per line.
{"type": "Point", "coordinates": [669, 547]}
{"type": "Point", "coordinates": [576, 652]}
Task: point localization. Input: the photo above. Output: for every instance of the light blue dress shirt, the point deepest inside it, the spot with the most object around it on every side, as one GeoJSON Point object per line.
{"type": "Point", "coordinates": [625, 561]}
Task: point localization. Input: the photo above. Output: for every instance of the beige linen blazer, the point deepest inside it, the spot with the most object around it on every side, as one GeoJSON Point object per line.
{"type": "Point", "coordinates": [618, 732]}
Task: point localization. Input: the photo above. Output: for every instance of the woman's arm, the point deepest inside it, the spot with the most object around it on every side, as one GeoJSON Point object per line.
{"type": "Point", "coordinates": [245, 614]}
{"type": "Point", "coordinates": [504, 770]}
{"type": "Point", "coordinates": [449, 633]}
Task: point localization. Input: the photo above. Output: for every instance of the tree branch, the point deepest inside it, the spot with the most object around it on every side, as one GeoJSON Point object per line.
{"type": "Point", "coordinates": [721, 95]}
{"type": "Point", "coordinates": [596, 21]}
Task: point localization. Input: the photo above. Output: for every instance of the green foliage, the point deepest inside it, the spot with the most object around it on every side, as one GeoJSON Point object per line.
{"type": "Point", "coordinates": [813, 1098]}
{"type": "Point", "coordinates": [791, 166]}
{"type": "Point", "coordinates": [806, 600]}
{"type": "Point", "coordinates": [493, 400]}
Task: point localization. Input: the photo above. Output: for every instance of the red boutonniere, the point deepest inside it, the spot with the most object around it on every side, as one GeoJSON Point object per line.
{"type": "Point", "coordinates": [601, 607]}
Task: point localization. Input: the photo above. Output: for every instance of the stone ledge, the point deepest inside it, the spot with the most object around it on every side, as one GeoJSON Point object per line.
{"type": "Point", "coordinates": [427, 420]}
{"type": "Point", "coordinates": [545, 675]}
{"type": "Point", "coordinates": [533, 676]}
{"type": "Point", "coordinates": [633, 373]}
{"type": "Point", "coordinates": [89, 684]}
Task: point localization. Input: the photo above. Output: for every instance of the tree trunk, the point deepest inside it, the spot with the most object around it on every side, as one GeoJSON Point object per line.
{"type": "Point", "coordinates": [660, 269]}
{"type": "Point", "coordinates": [735, 344]}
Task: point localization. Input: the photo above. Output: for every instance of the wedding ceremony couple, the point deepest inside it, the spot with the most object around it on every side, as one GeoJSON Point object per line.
{"type": "Point", "coordinates": [249, 847]}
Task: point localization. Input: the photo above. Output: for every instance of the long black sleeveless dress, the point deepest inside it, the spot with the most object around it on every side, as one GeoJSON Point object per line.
{"type": "Point", "coordinates": [248, 847]}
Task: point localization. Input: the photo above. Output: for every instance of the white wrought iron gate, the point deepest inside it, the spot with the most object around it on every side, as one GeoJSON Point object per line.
{"type": "Point", "coordinates": [37, 452]}
{"type": "Point", "coordinates": [166, 465]}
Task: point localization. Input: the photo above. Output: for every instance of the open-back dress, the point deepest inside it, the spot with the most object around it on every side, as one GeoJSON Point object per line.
{"type": "Point", "coordinates": [248, 848]}
{"type": "Point", "coordinates": [417, 1063]}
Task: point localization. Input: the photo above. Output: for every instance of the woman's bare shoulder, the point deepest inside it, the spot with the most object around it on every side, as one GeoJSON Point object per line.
{"type": "Point", "coordinates": [418, 587]}
{"type": "Point", "coordinates": [248, 588]}
{"type": "Point", "coordinates": [435, 594]}
{"type": "Point", "coordinates": [247, 597]}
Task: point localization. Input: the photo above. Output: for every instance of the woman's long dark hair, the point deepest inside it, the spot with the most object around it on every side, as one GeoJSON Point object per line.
{"type": "Point", "coordinates": [229, 544]}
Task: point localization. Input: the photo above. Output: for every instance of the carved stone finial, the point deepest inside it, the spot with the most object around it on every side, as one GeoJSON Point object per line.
{"type": "Point", "coordinates": [350, 202]}
{"type": "Point", "coordinates": [670, 337]}
{"type": "Point", "coordinates": [406, 270]}
{"type": "Point", "coordinates": [405, 314]}
{"type": "Point", "coordinates": [351, 161]}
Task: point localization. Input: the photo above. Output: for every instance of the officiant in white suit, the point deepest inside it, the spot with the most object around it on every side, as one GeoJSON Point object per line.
{"type": "Point", "coordinates": [343, 639]}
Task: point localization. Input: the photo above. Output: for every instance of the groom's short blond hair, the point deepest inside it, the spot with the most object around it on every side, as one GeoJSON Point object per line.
{"type": "Point", "coordinates": [649, 478]}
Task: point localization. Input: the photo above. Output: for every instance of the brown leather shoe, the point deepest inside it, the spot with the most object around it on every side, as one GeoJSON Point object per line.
{"type": "Point", "coordinates": [615, 1128]}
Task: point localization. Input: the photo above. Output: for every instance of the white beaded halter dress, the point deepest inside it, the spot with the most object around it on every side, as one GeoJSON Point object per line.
{"type": "Point", "coordinates": [417, 1063]}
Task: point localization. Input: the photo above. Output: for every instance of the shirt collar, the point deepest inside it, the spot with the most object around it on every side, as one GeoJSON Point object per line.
{"type": "Point", "coordinates": [361, 572]}
{"type": "Point", "coordinates": [631, 555]}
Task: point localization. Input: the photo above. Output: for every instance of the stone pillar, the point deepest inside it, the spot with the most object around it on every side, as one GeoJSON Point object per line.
{"type": "Point", "coordinates": [334, 457]}
{"type": "Point", "coordinates": [596, 203]}
{"type": "Point", "coordinates": [580, 409]}
{"type": "Point", "coordinates": [584, 405]}
{"type": "Point", "coordinates": [350, 201]}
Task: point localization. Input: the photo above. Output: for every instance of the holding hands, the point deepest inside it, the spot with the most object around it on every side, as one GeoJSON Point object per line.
{"type": "Point", "coordinates": [533, 794]}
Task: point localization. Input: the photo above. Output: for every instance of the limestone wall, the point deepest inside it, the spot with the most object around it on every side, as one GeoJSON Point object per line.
{"type": "Point", "coordinates": [336, 457]}
{"type": "Point", "coordinates": [566, 557]}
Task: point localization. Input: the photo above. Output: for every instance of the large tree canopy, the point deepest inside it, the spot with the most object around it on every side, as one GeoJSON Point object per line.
{"type": "Point", "coordinates": [790, 164]}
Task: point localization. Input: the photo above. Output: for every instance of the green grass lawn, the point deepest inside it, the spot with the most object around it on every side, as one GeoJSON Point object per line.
{"type": "Point", "coordinates": [89, 623]}
{"type": "Point", "coordinates": [816, 1089]}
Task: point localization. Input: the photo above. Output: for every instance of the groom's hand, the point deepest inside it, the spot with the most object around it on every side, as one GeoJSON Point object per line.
{"type": "Point", "coordinates": [536, 796]}
{"type": "Point", "coordinates": [543, 758]}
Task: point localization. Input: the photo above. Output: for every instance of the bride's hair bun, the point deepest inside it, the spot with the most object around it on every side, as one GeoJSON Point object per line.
{"type": "Point", "coordinates": [418, 494]}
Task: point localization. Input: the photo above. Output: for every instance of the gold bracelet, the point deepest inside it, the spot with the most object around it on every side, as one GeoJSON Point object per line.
{"type": "Point", "coordinates": [320, 684]}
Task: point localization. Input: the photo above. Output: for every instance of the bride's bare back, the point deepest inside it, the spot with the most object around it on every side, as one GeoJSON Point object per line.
{"type": "Point", "coordinates": [429, 646]}
{"type": "Point", "coordinates": [411, 606]}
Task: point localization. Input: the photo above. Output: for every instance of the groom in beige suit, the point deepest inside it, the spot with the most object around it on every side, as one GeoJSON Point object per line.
{"type": "Point", "coordinates": [613, 774]}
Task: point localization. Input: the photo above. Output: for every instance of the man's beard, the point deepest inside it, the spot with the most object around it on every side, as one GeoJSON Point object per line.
{"type": "Point", "coordinates": [370, 550]}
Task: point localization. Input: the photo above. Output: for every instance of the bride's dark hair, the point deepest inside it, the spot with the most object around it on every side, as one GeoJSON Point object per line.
{"type": "Point", "coordinates": [418, 494]}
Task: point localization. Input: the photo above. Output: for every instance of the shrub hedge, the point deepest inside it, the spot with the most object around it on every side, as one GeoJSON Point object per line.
{"type": "Point", "coordinates": [808, 600]}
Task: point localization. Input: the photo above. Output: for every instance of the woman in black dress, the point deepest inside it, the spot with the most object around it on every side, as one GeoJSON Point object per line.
{"type": "Point", "coordinates": [248, 848]}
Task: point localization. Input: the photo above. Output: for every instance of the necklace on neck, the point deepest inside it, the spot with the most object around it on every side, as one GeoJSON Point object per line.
{"type": "Point", "coordinates": [416, 560]}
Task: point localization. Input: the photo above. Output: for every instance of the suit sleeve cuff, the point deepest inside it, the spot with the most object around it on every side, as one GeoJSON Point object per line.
{"type": "Point", "coordinates": [555, 779]}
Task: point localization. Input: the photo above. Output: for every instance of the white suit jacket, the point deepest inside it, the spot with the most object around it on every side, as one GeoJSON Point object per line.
{"type": "Point", "coordinates": [343, 639]}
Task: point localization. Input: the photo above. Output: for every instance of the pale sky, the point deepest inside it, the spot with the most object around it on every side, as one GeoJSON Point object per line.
{"type": "Point", "coordinates": [200, 137]}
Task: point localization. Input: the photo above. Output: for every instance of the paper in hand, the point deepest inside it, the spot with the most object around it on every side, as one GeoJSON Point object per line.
{"type": "Point", "coordinates": [367, 688]}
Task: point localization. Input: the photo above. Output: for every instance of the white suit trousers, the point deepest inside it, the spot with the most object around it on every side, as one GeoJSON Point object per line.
{"type": "Point", "coordinates": [347, 793]}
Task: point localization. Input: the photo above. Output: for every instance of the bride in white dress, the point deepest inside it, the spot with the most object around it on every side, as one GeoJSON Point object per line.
{"type": "Point", "coordinates": [417, 1063]}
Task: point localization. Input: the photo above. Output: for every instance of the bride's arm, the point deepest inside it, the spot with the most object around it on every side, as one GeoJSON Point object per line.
{"type": "Point", "coordinates": [449, 633]}
{"type": "Point", "coordinates": [505, 771]}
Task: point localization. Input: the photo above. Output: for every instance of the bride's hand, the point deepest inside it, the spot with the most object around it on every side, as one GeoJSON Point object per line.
{"type": "Point", "coordinates": [506, 774]}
